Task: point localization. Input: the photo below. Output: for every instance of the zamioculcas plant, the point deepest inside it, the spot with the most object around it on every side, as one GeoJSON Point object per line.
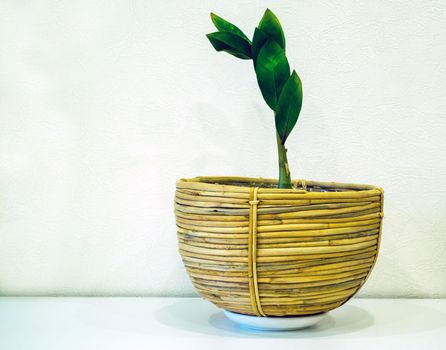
{"type": "Point", "coordinates": [281, 90]}
{"type": "Point", "coordinates": [243, 240]}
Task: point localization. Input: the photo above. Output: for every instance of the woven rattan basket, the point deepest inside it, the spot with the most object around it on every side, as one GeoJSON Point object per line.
{"type": "Point", "coordinates": [254, 249]}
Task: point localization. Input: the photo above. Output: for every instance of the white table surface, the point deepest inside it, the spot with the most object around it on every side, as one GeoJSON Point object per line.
{"type": "Point", "coordinates": [192, 323]}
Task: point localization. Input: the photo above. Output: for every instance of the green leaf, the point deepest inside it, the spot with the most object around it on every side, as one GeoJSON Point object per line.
{"type": "Point", "coordinates": [270, 25]}
{"type": "Point", "coordinates": [230, 43]}
{"type": "Point", "coordinates": [225, 26]}
{"type": "Point", "coordinates": [258, 40]}
{"type": "Point", "coordinates": [272, 70]}
{"type": "Point", "coordinates": [289, 106]}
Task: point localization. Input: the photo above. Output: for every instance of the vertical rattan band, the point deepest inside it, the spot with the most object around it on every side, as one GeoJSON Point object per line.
{"type": "Point", "coordinates": [252, 253]}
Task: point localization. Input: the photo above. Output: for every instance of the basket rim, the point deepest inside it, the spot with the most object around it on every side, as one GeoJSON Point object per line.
{"type": "Point", "coordinates": [299, 185]}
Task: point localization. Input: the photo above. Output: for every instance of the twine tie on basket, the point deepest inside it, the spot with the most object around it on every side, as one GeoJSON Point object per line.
{"type": "Point", "coordinates": [252, 253]}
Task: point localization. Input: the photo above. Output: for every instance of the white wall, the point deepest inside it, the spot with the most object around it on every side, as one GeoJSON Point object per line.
{"type": "Point", "coordinates": [103, 105]}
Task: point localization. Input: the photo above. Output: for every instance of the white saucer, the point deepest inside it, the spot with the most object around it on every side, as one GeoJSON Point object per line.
{"type": "Point", "coordinates": [274, 323]}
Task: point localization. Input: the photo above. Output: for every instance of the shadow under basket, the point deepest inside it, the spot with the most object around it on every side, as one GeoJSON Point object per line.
{"type": "Point", "coordinates": [252, 248]}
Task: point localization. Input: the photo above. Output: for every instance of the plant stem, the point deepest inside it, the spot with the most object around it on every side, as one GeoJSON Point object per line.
{"type": "Point", "coordinates": [284, 171]}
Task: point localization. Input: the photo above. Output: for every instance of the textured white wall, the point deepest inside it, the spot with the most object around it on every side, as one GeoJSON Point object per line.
{"type": "Point", "coordinates": [103, 105]}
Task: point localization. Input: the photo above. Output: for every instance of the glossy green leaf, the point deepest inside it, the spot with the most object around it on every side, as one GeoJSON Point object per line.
{"type": "Point", "coordinates": [270, 25]}
{"type": "Point", "coordinates": [224, 26]}
{"type": "Point", "coordinates": [289, 106]}
{"type": "Point", "coordinates": [258, 40]}
{"type": "Point", "coordinates": [272, 70]}
{"type": "Point", "coordinates": [230, 43]}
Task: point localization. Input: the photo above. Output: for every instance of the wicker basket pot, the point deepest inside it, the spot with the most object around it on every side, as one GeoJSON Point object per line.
{"type": "Point", "coordinates": [254, 249]}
